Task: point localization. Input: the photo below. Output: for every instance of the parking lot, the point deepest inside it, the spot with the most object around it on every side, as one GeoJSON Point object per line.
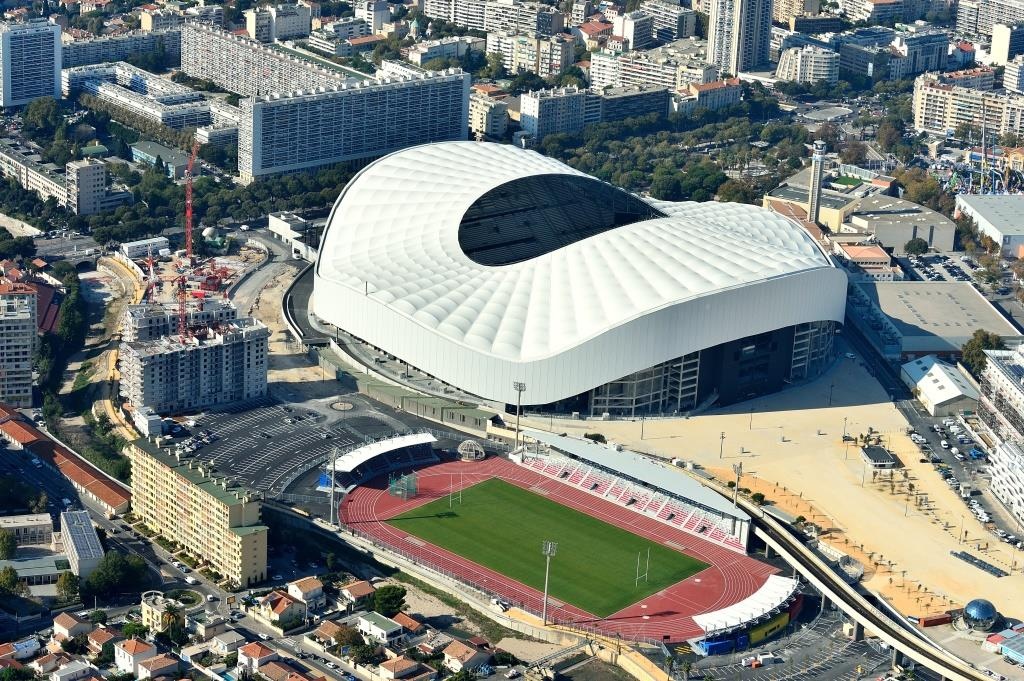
{"type": "Point", "coordinates": [262, 442]}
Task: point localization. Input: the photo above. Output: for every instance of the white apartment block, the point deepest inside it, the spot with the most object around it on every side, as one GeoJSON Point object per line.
{"type": "Point", "coordinates": [808, 64]}
{"type": "Point", "coordinates": [239, 65]}
{"type": "Point", "coordinates": [580, 12]}
{"type": "Point", "coordinates": [977, 18]}
{"type": "Point", "coordinates": [30, 61]}
{"type": "Point", "coordinates": [548, 111]}
{"type": "Point", "coordinates": [1013, 75]}
{"type": "Point", "coordinates": [1001, 410]}
{"type": "Point", "coordinates": [151, 321]}
{"type": "Point", "coordinates": [81, 543]}
{"type": "Point", "coordinates": [940, 107]}
{"type": "Point", "coordinates": [513, 16]}
{"type": "Point", "coordinates": [454, 47]}
{"type": "Point", "coordinates": [406, 106]}
{"type": "Point", "coordinates": [139, 93]}
{"type": "Point", "coordinates": [375, 13]}
{"type": "Point", "coordinates": [17, 343]}
{"type": "Point", "coordinates": [278, 22]}
{"type": "Point", "coordinates": [119, 47]}
{"type": "Point", "coordinates": [1007, 470]}
{"type": "Point", "coordinates": [637, 28]}
{"type": "Point", "coordinates": [543, 56]}
{"type": "Point", "coordinates": [1007, 43]}
{"type": "Point", "coordinates": [487, 117]}
{"type": "Point", "coordinates": [672, 66]}
{"type": "Point", "coordinates": [81, 187]}
{"type": "Point", "coordinates": [784, 10]}
{"type": "Point", "coordinates": [874, 11]}
{"type": "Point", "coordinates": [349, 27]}
{"type": "Point", "coordinates": [215, 365]}
{"type": "Point", "coordinates": [671, 21]}
{"type": "Point", "coordinates": [739, 34]}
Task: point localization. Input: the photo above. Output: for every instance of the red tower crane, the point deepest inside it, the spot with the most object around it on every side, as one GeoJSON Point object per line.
{"type": "Point", "coordinates": [188, 202]}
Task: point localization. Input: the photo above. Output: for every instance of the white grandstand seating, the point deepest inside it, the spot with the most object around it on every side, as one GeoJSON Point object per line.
{"type": "Point", "coordinates": [670, 510]}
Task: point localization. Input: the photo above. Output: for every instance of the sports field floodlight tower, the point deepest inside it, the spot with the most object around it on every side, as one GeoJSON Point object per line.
{"type": "Point", "coordinates": [549, 549]}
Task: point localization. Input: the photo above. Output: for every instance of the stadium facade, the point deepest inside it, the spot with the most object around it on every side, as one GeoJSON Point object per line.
{"type": "Point", "coordinates": [485, 265]}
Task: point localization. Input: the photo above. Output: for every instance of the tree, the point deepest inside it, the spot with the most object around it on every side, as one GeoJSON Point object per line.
{"type": "Point", "coordinates": [973, 351]}
{"type": "Point", "coordinates": [76, 646]}
{"type": "Point", "coordinates": [363, 654]}
{"type": "Point", "coordinates": [106, 655]}
{"type": "Point", "coordinates": [736, 192]}
{"type": "Point", "coordinates": [389, 599]}
{"type": "Point", "coordinates": [757, 498]}
{"type": "Point", "coordinates": [8, 544]}
{"type": "Point", "coordinates": [114, 573]}
{"type": "Point", "coordinates": [67, 589]}
{"type": "Point", "coordinates": [596, 437]}
{"type": "Point", "coordinates": [134, 630]}
{"type": "Point", "coordinates": [916, 246]}
{"type": "Point", "coordinates": [98, 616]}
{"type": "Point", "coordinates": [854, 153]}
{"type": "Point", "coordinates": [526, 81]}
{"type": "Point", "coordinates": [9, 582]}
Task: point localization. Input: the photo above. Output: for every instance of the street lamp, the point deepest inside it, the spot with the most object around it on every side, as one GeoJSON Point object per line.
{"type": "Point", "coordinates": [844, 428]}
{"type": "Point", "coordinates": [519, 387]}
{"type": "Point", "coordinates": [549, 549]}
{"type": "Point", "coordinates": [737, 468]}
{"type": "Point", "coordinates": [721, 443]}
{"type": "Point", "coordinates": [830, 386]}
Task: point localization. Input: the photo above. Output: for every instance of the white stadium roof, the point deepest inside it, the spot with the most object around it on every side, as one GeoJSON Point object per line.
{"type": "Point", "coordinates": [348, 462]}
{"type": "Point", "coordinates": [772, 595]}
{"type": "Point", "coordinates": [639, 468]}
{"type": "Point", "coordinates": [392, 271]}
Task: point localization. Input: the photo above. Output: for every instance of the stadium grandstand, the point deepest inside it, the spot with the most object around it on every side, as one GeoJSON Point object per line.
{"type": "Point", "coordinates": [638, 483]}
{"type": "Point", "coordinates": [382, 457]}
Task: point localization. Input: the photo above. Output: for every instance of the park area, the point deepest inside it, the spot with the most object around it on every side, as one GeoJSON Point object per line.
{"type": "Point", "coordinates": [502, 527]}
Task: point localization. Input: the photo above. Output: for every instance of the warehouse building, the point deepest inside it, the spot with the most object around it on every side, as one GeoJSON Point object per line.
{"type": "Point", "coordinates": [942, 389]}
{"type": "Point", "coordinates": [998, 217]}
{"type": "Point", "coordinates": [501, 267]}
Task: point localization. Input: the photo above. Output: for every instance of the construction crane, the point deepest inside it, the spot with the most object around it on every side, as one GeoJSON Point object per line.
{"type": "Point", "coordinates": [182, 312]}
{"type": "Point", "coordinates": [188, 202]}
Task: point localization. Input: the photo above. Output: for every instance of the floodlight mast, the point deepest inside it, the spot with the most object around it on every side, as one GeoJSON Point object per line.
{"type": "Point", "coordinates": [549, 549]}
{"type": "Point", "coordinates": [519, 387]}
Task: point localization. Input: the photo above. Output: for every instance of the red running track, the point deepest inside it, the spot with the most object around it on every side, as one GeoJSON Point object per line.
{"type": "Point", "coordinates": [729, 578]}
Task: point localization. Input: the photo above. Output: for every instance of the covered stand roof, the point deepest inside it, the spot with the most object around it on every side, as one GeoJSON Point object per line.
{"type": "Point", "coordinates": [348, 462]}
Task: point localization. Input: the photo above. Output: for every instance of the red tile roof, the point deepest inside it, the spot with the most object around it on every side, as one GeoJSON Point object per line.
{"type": "Point", "coordinates": [134, 646]}
{"type": "Point", "coordinates": [11, 288]}
{"type": "Point", "coordinates": [407, 622]}
{"type": "Point", "coordinates": [67, 620]}
{"type": "Point", "coordinates": [21, 432]}
{"type": "Point", "coordinates": [255, 650]}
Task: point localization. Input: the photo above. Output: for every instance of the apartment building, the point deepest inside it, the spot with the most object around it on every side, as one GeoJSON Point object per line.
{"type": "Point", "coordinates": [139, 93]}
{"type": "Point", "coordinates": [1013, 75]}
{"type": "Point", "coordinates": [119, 47]}
{"type": "Point", "coordinates": [808, 64]}
{"type": "Point", "coordinates": [151, 321]}
{"type": "Point", "coordinates": [1007, 43]}
{"type": "Point", "coordinates": [239, 65]}
{"type": "Point", "coordinates": [160, 19]}
{"type": "Point", "coordinates": [488, 117]}
{"type": "Point", "coordinates": [81, 543]}
{"type": "Point", "coordinates": [875, 11]}
{"type": "Point", "coordinates": [1001, 410]}
{"type": "Point", "coordinates": [916, 51]}
{"type": "Point", "coordinates": [739, 34]}
{"type": "Point", "coordinates": [977, 18]}
{"type": "Point", "coordinates": [671, 66]}
{"type": "Point", "coordinates": [217, 364]}
{"type": "Point", "coordinates": [671, 20]}
{"type": "Point", "coordinates": [30, 61]}
{"type": "Point", "coordinates": [454, 47]}
{"type": "Point", "coordinates": [636, 28]}
{"type": "Point", "coordinates": [544, 112]}
{"type": "Point", "coordinates": [406, 106]}
{"type": "Point", "coordinates": [716, 95]}
{"type": "Point", "coordinates": [17, 342]}
{"type": "Point", "coordinates": [32, 528]}
{"type": "Point", "coordinates": [216, 521]}
{"type": "Point", "coordinates": [81, 186]}
{"type": "Point", "coordinates": [271, 23]}
{"type": "Point", "coordinates": [939, 107]}
{"type": "Point", "coordinates": [783, 11]}
{"type": "Point", "coordinates": [544, 56]}
{"type": "Point", "coordinates": [513, 16]}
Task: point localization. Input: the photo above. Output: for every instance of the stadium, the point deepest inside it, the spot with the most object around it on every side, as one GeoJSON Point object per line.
{"type": "Point", "coordinates": [485, 265]}
{"type": "Point", "coordinates": [643, 552]}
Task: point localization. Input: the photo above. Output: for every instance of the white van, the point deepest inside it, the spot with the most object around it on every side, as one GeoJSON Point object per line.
{"type": "Point", "coordinates": [944, 444]}
{"type": "Point", "coordinates": [191, 580]}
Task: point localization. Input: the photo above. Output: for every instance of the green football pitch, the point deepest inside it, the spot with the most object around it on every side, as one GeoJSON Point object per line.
{"type": "Point", "coordinates": [502, 527]}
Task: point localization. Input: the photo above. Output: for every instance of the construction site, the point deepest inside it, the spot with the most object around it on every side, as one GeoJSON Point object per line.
{"type": "Point", "coordinates": [183, 346]}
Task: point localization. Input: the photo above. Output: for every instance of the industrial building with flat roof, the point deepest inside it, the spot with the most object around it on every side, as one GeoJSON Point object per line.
{"type": "Point", "coordinates": [908, 319]}
{"type": "Point", "coordinates": [216, 521]}
{"type": "Point", "coordinates": [213, 365]}
{"type": "Point", "coordinates": [942, 389]}
{"type": "Point", "coordinates": [998, 217]}
{"type": "Point", "coordinates": [81, 543]}
{"type": "Point", "coordinates": [501, 266]}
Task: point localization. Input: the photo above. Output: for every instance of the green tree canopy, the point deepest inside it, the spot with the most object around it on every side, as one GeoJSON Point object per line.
{"type": "Point", "coordinates": [973, 350]}
{"type": "Point", "coordinates": [8, 544]}
{"type": "Point", "coordinates": [916, 246]}
{"type": "Point", "coordinates": [389, 599]}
